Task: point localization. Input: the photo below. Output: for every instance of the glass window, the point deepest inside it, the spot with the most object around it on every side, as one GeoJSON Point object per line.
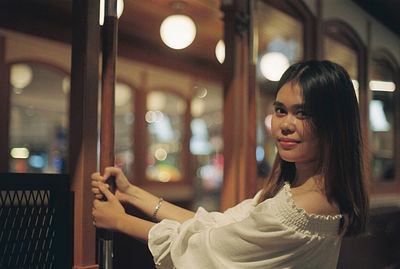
{"type": "Point", "coordinates": [165, 117]}
{"type": "Point", "coordinates": [38, 119]}
{"type": "Point", "coordinates": [341, 54]}
{"type": "Point", "coordinates": [124, 118]}
{"type": "Point", "coordinates": [280, 45]}
{"type": "Point", "coordinates": [206, 145]}
{"type": "Point", "coordinates": [381, 115]}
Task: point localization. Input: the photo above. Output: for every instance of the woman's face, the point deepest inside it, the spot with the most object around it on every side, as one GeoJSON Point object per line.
{"type": "Point", "coordinates": [291, 130]}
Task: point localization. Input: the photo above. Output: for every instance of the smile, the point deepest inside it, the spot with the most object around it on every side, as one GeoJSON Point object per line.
{"type": "Point", "coordinates": [288, 143]}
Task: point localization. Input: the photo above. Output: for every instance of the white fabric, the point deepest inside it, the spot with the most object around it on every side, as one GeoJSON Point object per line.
{"type": "Point", "coordinates": [272, 234]}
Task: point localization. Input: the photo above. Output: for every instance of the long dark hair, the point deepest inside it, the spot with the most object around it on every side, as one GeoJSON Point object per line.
{"type": "Point", "coordinates": [331, 104]}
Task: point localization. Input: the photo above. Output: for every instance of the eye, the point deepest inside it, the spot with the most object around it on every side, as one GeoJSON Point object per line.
{"type": "Point", "coordinates": [279, 111]}
{"type": "Point", "coordinates": [301, 114]}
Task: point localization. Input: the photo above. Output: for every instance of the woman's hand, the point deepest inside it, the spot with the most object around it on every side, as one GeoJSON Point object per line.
{"type": "Point", "coordinates": [121, 182]}
{"type": "Point", "coordinates": [106, 214]}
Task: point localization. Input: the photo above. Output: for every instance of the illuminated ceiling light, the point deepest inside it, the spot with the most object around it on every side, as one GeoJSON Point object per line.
{"type": "Point", "coordinates": [19, 153]}
{"type": "Point", "coordinates": [382, 86]}
{"type": "Point", "coordinates": [122, 94]}
{"type": "Point", "coordinates": [178, 31]}
{"type": "Point", "coordinates": [20, 75]}
{"type": "Point", "coordinates": [220, 51]}
{"type": "Point", "coordinates": [156, 101]}
{"type": "Point", "coordinates": [120, 9]}
{"type": "Point", "coordinates": [273, 65]}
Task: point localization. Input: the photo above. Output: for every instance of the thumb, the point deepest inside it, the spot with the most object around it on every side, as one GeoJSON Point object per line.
{"type": "Point", "coordinates": [106, 192]}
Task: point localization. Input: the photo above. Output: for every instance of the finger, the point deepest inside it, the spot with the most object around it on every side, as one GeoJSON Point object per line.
{"type": "Point", "coordinates": [96, 176]}
{"type": "Point", "coordinates": [99, 196]}
{"type": "Point", "coordinates": [111, 171]}
{"type": "Point", "coordinates": [96, 184]}
{"type": "Point", "coordinates": [103, 188]}
{"type": "Point", "coordinates": [95, 203]}
{"type": "Point", "coordinates": [95, 190]}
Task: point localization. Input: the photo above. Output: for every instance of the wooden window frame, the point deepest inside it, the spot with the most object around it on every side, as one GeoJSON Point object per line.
{"type": "Point", "coordinates": [379, 187]}
{"type": "Point", "coordinates": [141, 142]}
{"type": "Point", "coordinates": [299, 11]}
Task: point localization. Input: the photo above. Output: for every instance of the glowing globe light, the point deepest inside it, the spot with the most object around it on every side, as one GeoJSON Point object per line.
{"type": "Point", "coordinates": [273, 64]}
{"type": "Point", "coordinates": [220, 51]}
{"type": "Point", "coordinates": [120, 9]}
{"type": "Point", "coordinates": [20, 75]}
{"type": "Point", "coordinates": [178, 31]}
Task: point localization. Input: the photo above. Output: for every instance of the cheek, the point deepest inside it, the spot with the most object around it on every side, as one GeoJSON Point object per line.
{"type": "Point", "coordinates": [274, 124]}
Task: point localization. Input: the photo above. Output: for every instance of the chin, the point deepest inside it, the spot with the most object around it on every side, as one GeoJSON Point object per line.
{"type": "Point", "coordinates": [289, 157]}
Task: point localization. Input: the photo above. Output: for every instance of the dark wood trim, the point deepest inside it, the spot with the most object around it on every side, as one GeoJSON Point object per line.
{"type": "Point", "coordinates": [83, 128]}
{"type": "Point", "coordinates": [136, 49]}
{"type": "Point", "coordinates": [4, 107]}
{"type": "Point", "coordinates": [35, 18]}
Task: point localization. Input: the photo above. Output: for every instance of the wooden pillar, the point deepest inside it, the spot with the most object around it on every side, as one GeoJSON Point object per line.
{"type": "Point", "coordinates": [83, 126]}
{"type": "Point", "coordinates": [239, 107]}
{"type": "Point", "coordinates": [140, 131]}
{"type": "Point", "coordinates": [4, 108]}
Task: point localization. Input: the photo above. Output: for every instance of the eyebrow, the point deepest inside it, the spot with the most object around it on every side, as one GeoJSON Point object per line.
{"type": "Point", "coordinates": [295, 106]}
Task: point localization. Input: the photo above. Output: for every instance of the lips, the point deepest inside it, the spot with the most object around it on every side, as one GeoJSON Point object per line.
{"type": "Point", "coordinates": [288, 142]}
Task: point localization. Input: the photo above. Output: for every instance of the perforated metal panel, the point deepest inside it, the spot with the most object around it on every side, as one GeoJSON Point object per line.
{"type": "Point", "coordinates": [32, 227]}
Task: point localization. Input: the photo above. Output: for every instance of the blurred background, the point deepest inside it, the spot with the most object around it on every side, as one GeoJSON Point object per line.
{"type": "Point", "coordinates": [170, 96]}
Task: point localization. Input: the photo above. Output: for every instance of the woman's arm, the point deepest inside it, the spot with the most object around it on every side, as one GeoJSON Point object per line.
{"type": "Point", "coordinates": [147, 202]}
{"type": "Point", "coordinates": [111, 215]}
{"type": "Point", "coordinates": [139, 198]}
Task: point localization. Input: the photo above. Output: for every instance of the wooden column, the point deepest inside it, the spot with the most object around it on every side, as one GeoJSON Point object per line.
{"type": "Point", "coordinates": [140, 131]}
{"type": "Point", "coordinates": [4, 108]}
{"type": "Point", "coordinates": [239, 107]}
{"type": "Point", "coordinates": [83, 126]}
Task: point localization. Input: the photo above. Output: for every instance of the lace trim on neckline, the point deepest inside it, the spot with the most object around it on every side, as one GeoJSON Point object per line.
{"type": "Point", "coordinates": [298, 219]}
{"type": "Point", "coordinates": [302, 211]}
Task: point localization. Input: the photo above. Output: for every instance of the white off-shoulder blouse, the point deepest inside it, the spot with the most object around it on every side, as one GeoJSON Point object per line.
{"type": "Point", "coordinates": [272, 234]}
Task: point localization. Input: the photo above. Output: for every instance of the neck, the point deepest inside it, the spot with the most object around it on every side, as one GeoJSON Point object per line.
{"type": "Point", "coordinates": [305, 172]}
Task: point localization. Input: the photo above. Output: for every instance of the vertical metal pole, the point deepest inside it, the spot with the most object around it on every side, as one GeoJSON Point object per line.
{"type": "Point", "coordinates": [110, 35]}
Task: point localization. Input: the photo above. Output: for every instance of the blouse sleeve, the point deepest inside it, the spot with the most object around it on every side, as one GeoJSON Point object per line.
{"type": "Point", "coordinates": [232, 240]}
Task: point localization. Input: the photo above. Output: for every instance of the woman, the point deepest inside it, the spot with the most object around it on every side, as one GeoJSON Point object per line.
{"type": "Point", "coordinates": [313, 196]}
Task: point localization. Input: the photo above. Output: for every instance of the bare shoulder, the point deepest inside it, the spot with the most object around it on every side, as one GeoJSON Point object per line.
{"type": "Point", "coordinates": [314, 202]}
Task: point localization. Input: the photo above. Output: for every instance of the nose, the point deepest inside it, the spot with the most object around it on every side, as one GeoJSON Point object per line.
{"type": "Point", "coordinates": [288, 125]}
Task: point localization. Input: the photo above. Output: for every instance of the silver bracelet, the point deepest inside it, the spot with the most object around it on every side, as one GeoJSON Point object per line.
{"type": "Point", "coordinates": [157, 208]}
